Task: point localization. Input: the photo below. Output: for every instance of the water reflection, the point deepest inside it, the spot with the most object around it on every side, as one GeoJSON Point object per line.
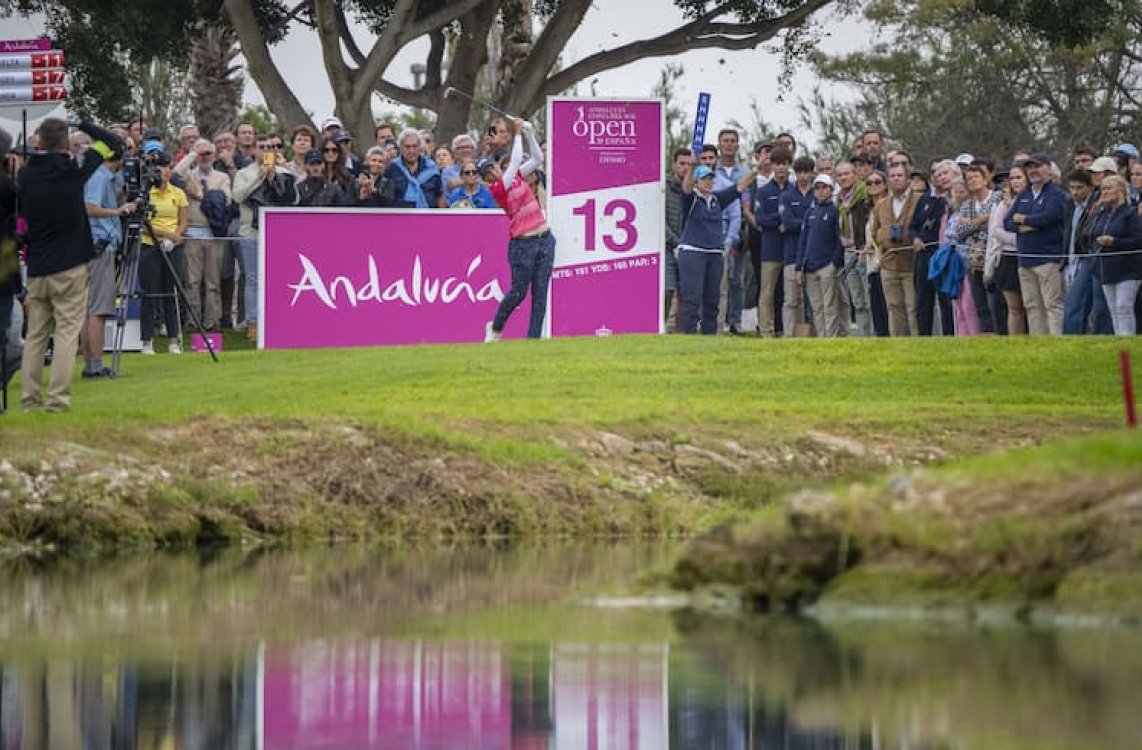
{"type": "Point", "coordinates": [477, 649]}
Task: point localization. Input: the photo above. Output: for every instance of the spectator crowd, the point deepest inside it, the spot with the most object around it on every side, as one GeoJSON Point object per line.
{"type": "Point", "coordinates": [868, 244]}
{"type": "Point", "coordinates": [204, 200]}
{"type": "Point", "coordinates": [874, 244]}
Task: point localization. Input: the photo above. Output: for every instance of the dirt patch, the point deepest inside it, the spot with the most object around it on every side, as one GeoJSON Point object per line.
{"type": "Point", "coordinates": [256, 480]}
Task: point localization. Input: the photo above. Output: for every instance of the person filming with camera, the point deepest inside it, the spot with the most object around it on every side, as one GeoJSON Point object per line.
{"type": "Point", "coordinates": [101, 196]}
{"type": "Point", "coordinates": [60, 245]}
{"type": "Point", "coordinates": [162, 234]}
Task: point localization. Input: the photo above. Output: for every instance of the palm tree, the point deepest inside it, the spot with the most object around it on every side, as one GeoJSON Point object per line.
{"type": "Point", "coordinates": [215, 79]}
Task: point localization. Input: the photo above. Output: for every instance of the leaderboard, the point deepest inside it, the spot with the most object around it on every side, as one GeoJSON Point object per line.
{"type": "Point", "coordinates": [31, 72]}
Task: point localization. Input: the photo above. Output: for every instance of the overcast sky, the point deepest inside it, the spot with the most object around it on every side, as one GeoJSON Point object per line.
{"type": "Point", "coordinates": [731, 77]}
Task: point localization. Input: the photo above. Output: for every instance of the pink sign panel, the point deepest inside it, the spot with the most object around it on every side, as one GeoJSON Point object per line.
{"type": "Point", "coordinates": [41, 44]}
{"type": "Point", "coordinates": [606, 210]}
{"type": "Point", "coordinates": [341, 278]}
{"type": "Point", "coordinates": [606, 297]}
{"type": "Point", "coordinates": [604, 144]}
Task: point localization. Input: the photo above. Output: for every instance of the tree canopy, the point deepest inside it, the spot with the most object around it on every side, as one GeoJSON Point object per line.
{"type": "Point", "coordinates": [989, 77]}
{"type": "Point", "coordinates": [531, 35]}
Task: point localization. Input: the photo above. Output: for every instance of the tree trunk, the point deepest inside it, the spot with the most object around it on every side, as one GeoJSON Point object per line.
{"type": "Point", "coordinates": [279, 98]}
{"type": "Point", "coordinates": [471, 53]}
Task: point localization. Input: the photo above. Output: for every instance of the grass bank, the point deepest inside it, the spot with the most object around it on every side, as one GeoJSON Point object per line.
{"type": "Point", "coordinates": [623, 435]}
{"type": "Point", "coordinates": [1049, 531]}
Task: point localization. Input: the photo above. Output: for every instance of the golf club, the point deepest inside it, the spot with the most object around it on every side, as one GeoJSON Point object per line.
{"type": "Point", "coordinates": [480, 102]}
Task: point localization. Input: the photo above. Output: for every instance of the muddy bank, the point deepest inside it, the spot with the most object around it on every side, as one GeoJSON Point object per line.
{"type": "Point", "coordinates": [259, 481]}
{"type": "Point", "coordinates": [1031, 542]}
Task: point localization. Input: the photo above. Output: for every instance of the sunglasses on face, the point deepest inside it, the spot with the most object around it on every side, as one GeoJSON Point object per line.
{"type": "Point", "coordinates": [469, 171]}
{"type": "Point", "coordinates": [273, 146]}
{"type": "Point", "coordinates": [332, 150]}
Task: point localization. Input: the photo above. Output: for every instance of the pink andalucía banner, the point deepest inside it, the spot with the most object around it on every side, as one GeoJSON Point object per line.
{"type": "Point", "coordinates": [606, 210]}
{"type": "Point", "coordinates": [340, 278]}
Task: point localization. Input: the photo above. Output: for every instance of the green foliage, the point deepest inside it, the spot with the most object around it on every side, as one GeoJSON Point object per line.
{"type": "Point", "coordinates": [261, 118]}
{"type": "Point", "coordinates": [955, 75]}
{"type": "Point", "coordinates": [1067, 23]}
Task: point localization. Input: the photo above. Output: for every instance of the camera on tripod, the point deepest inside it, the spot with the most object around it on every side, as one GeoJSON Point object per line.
{"type": "Point", "coordinates": [139, 175]}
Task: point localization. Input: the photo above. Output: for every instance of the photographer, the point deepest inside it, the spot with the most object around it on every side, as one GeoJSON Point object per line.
{"type": "Point", "coordinates": [164, 234]}
{"type": "Point", "coordinates": [59, 248]}
{"type": "Point", "coordinates": [101, 198]}
{"type": "Point", "coordinates": [265, 182]}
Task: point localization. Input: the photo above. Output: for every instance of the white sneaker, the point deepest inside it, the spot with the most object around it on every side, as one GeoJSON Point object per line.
{"type": "Point", "coordinates": [491, 335]}
{"type": "Point", "coordinates": [148, 348]}
{"type": "Point", "coordinates": [175, 348]}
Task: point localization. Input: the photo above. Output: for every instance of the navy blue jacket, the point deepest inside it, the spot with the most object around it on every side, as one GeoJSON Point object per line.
{"type": "Point", "coordinates": [795, 204]}
{"type": "Point", "coordinates": [820, 242]}
{"type": "Point", "coordinates": [1125, 226]}
{"type": "Point", "coordinates": [767, 208]}
{"type": "Point", "coordinates": [1046, 214]}
{"type": "Point", "coordinates": [925, 224]}
{"type": "Point", "coordinates": [702, 219]}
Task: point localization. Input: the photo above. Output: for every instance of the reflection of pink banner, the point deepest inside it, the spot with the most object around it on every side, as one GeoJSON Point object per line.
{"type": "Point", "coordinates": [611, 696]}
{"type": "Point", "coordinates": [359, 278]}
{"type": "Point", "coordinates": [385, 694]}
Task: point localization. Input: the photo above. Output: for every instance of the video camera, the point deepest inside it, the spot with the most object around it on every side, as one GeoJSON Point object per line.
{"type": "Point", "coordinates": [139, 175]}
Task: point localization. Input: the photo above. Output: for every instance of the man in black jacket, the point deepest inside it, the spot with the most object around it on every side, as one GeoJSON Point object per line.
{"type": "Point", "coordinates": [59, 248]}
{"type": "Point", "coordinates": [10, 283]}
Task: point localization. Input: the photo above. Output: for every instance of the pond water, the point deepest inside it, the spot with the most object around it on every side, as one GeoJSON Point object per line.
{"type": "Point", "coordinates": [494, 648]}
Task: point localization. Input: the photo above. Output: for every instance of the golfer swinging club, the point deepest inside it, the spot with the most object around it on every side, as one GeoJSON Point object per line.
{"type": "Point", "coordinates": [531, 248]}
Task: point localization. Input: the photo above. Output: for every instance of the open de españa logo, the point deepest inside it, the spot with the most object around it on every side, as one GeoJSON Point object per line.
{"type": "Point", "coordinates": [605, 127]}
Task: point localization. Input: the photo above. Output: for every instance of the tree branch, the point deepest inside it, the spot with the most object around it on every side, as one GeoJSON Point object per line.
{"type": "Point", "coordinates": [422, 99]}
{"type": "Point", "coordinates": [346, 35]}
{"type": "Point", "coordinates": [329, 35]}
{"type": "Point", "coordinates": [280, 98]}
{"type": "Point", "coordinates": [532, 72]}
{"type": "Point", "coordinates": [401, 29]}
{"type": "Point", "coordinates": [437, 20]}
{"type": "Point", "coordinates": [435, 60]}
{"type": "Point", "coordinates": [693, 35]}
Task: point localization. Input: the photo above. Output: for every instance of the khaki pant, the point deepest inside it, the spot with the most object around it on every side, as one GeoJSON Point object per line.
{"type": "Point", "coordinates": [822, 289]}
{"type": "Point", "coordinates": [1042, 288]}
{"type": "Point", "coordinates": [900, 298]}
{"type": "Point", "coordinates": [204, 277]}
{"type": "Point", "coordinates": [56, 303]}
{"type": "Point", "coordinates": [793, 308]}
{"type": "Point", "coordinates": [770, 270]}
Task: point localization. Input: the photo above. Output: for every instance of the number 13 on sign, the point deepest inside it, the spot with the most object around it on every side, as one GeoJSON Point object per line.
{"type": "Point", "coordinates": [618, 233]}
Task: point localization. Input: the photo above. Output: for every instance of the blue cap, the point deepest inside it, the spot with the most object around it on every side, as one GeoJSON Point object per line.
{"type": "Point", "coordinates": [151, 147]}
{"type": "Point", "coordinates": [484, 163]}
{"type": "Point", "coordinates": [1126, 148]}
{"type": "Point", "coordinates": [703, 171]}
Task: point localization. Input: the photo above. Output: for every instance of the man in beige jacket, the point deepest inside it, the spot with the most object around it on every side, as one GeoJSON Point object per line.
{"type": "Point", "coordinates": [889, 235]}
{"type": "Point", "coordinates": [203, 250]}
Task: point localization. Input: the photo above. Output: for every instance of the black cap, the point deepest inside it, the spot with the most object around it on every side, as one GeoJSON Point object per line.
{"type": "Point", "coordinates": [762, 145]}
{"type": "Point", "coordinates": [152, 134]}
{"type": "Point", "coordinates": [341, 136]}
{"type": "Point", "coordinates": [484, 163]}
{"type": "Point", "coordinates": [312, 157]}
{"type": "Point", "coordinates": [1037, 158]}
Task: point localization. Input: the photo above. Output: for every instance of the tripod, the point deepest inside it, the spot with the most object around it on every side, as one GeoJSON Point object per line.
{"type": "Point", "coordinates": [128, 277]}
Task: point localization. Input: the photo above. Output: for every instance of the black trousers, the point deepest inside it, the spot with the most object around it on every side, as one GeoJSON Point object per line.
{"type": "Point", "coordinates": [157, 283]}
{"type": "Point", "coordinates": [927, 295]}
